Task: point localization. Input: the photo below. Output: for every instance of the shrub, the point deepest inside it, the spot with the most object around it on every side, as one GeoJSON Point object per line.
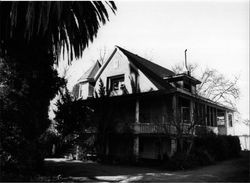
{"type": "Point", "coordinates": [219, 147]}
{"type": "Point", "coordinates": [206, 150]}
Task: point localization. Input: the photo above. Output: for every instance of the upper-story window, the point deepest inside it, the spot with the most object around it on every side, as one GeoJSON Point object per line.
{"type": "Point", "coordinates": [187, 86]}
{"type": "Point", "coordinates": [117, 83]}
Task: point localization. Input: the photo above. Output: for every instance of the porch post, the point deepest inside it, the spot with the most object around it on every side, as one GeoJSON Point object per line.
{"type": "Point", "coordinates": [209, 116]}
{"type": "Point", "coordinates": [136, 148]}
{"type": "Point", "coordinates": [206, 115]}
{"type": "Point", "coordinates": [174, 107]}
{"type": "Point", "coordinates": [226, 122]}
{"type": "Point", "coordinates": [137, 109]}
{"type": "Point", "coordinates": [216, 114]}
{"type": "Point", "coordinates": [192, 111]}
{"type": "Point", "coordinates": [107, 147]}
{"type": "Point", "coordinates": [136, 138]}
{"type": "Point", "coordinates": [173, 146]}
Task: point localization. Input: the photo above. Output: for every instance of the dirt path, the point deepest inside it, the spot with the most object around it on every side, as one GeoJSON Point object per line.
{"type": "Point", "coordinates": [236, 170]}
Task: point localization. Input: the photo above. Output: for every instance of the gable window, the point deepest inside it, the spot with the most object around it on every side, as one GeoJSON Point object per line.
{"type": "Point", "coordinates": [116, 83]}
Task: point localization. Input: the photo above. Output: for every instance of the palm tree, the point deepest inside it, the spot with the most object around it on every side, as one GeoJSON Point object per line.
{"type": "Point", "coordinates": [32, 36]}
{"type": "Point", "coordinates": [67, 25]}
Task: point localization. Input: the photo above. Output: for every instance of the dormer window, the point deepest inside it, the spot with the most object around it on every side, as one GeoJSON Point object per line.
{"type": "Point", "coordinates": [187, 86]}
{"type": "Point", "coordinates": [183, 81]}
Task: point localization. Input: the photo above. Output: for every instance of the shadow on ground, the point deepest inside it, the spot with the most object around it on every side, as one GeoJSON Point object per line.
{"type": "Point", "coordinates": [236, 170]}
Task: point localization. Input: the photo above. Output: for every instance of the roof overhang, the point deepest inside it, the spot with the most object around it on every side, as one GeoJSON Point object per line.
{"type": "Point", "coordinates": [182, 77]}
{"type": "Point", "coordinates": [158, 93]}
{"type": "Point", "coordinates": [204, 100]}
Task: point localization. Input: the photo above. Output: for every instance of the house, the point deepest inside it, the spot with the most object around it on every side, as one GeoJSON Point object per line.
{"type": "Point", "coordinates": [153, 101]}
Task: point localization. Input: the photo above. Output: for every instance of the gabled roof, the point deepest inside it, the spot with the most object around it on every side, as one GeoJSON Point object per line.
{"type": "Point", "coordinates": [157, 69]}
{"type": "Point", "coordinates": [156, 73]}
{"type": "Point", "coordinates": [90, 73]}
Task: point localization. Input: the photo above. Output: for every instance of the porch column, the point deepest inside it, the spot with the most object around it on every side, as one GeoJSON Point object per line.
{"type": "Point", "coordinates": [192, 111]}
{"type": "Point", "coordinates": [137, 111]}
{"type": "Point", "coordinates": [209, 116]}
{"type": "Point", "coordinates": [173, 147]}
{"type": "Point", "coordinates": [107, 147]}
{"type": "Point", "coordinates": [226, 121]}
{"type": "Point", "coordinates": [216, 114]}
{"type": "Point", "coordinates": [206, 115]}
{"type": "Point", "coordinates": [136, 148]}
{"type": "Point", "coordinates": [136, 138]}
{"type": "Point", "coordinates": [174, 107]}
{"type": "Point", "coordinates": [212, 116]}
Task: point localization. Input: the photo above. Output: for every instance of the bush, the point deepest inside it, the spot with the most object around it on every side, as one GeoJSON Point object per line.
{"type": "Point", "coordinates": [219, 147]}
{"type": "Point", "coordinates": [206, 150]}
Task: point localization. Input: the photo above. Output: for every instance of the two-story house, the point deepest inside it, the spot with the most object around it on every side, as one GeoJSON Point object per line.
{"type": "Point", "coordinates": [154, 101]}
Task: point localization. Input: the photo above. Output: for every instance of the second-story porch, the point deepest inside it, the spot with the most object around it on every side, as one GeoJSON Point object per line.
{"type": "Point", "coordinates": [164, 112]}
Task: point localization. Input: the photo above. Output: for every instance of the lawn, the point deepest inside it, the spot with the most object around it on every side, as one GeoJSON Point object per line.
{"type": "Point", "coordinates": [236, 170]}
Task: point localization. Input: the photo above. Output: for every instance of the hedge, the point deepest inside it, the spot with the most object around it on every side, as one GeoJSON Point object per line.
{"type": "Point", "coordinates": [220, 147]}
{"type": "Point", "coordinates": [206, 150]}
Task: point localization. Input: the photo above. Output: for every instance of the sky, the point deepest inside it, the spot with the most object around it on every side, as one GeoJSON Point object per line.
{"type": "Point", "coordinates": [215, 33]}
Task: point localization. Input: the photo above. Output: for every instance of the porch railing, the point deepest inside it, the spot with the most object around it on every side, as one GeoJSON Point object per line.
{"type": "Point", "coordinates": [152, 128]}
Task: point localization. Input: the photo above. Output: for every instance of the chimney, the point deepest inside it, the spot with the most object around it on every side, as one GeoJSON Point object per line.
{"type": "Point", "coordinates": [185, 64]}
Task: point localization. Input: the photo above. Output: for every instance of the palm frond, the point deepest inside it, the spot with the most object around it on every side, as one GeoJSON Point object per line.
{"type": "Point", "coordinates": [67, 25]}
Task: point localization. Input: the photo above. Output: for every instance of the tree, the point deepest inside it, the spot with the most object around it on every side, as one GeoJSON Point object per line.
{"type": "Point", "coordinates": [72, 121]}
{"type": "Point", "coordinates": [32, 37]}
{"type": "Point", "coordinates": [214, 85]}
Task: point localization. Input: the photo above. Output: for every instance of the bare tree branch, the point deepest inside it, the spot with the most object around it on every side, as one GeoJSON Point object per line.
{"type": "Point", "coordinates": [214, 85]}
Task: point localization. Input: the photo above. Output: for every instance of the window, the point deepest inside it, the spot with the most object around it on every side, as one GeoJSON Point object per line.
{"type": "Point", "coordinates": [117, 83]}
{"type": "Point", "coordinates": [230, 120]}
{"type": "Point", "coordinates": [187, 86]}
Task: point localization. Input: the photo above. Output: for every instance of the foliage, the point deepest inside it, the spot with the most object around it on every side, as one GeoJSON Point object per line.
{"type": "Point", "coordinates": [24, 115]}
{"type": "Point", "coordinates": [220, 147]}
{"type": "Point", "coordinates": [65, 25]}
{"type": "Point", "coordinates": [49, 139]}
{"type": "Point", "coordinates": [72, 121]}
{"type": "Point", "coordinates": [206, 150]}
{"type": "Point", "coordinates": [32, 36]}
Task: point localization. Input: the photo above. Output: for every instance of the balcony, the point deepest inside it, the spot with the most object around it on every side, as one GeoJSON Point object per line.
{"type": "Point", "coordinates": [152, 128]}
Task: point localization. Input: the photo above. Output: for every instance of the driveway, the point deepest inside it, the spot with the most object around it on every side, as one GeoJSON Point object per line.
{"type": "Point", "coordinates": [236, 170]}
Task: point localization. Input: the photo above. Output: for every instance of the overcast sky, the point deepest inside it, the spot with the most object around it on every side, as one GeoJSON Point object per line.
{"type": "Point", "coordinates": [216, 34]}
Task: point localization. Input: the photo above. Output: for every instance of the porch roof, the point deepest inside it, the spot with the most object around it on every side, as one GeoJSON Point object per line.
{"type": "Point", "coordinates": [159, 93]}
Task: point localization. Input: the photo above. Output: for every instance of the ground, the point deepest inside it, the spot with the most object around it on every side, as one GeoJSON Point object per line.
{"type": "Point", "coordinates": [236, 170]}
